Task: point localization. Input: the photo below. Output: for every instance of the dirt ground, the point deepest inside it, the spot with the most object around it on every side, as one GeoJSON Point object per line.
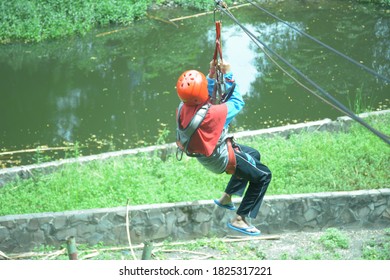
{"type": "Point", "coordinates": [309, 245]}
{"type": "Point", "coordinates": [324, 245]}
{"type": "Point", "coordinates": [330, 244]}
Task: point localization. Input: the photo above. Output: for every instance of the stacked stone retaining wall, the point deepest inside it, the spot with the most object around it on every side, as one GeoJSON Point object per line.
{"type": "Point", "coordinates": [188, 220]}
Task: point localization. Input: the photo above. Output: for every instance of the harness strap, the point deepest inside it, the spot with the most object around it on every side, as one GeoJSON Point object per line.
{"type": "Point", "coordinates": [196, 119]}
{"type": "Point", "coordinates": [231, 166]}
{"type": "Point", "coordinates": [225, 97]}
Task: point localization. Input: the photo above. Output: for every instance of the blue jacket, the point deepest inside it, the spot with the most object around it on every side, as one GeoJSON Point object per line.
{"type": "Point", "coordinates": [235, 102]}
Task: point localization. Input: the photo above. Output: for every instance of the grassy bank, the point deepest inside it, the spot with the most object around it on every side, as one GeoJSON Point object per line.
{"type": "Point", "coordinates": [34, 21]}
{"type": "Point", "coordinates": [306, 162]}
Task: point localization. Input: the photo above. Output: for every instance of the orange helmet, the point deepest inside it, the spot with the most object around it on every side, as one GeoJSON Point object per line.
{"type": "Point", "coordinates": [192, 88]}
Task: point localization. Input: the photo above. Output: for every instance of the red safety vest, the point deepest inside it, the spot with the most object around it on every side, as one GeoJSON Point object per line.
{"type": "Point", "coordinates": [203, 131]}
{"type": "Point", "coordinates": [206, 136]}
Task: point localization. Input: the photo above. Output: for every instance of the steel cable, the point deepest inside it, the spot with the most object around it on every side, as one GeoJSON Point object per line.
{"type": "Point", "coordinates": [330, 99]}
{"type": "Point", "coordinates": [367, 69]}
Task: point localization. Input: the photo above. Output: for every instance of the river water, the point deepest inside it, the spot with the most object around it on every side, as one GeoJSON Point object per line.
{"type": "Point", "coordinates": [114, 88]}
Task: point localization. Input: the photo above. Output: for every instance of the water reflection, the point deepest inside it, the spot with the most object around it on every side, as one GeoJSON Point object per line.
{"type": "Point", "coordinates": [381, 50]}
{"type": "Point", "coordinates": [249, 61]}
{"type": "Point", "coordinates": [66, 118]}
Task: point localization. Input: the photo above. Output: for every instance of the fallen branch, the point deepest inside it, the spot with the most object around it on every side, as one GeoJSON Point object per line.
{"type": "Point", "coordinates": [241, 239]}
{"type": "Point", "coordinates": [38, 149]}
{"type": "Point", "coordinates": [55, 254]}
{"type": "Point", "coordinates": [206, 13]}
{"type": "Point", "coordinates": [128, 230]}
{"type": "Point", "coordinates": [115, 248]}
{"type": "Point", "coordinates": [111, 32]}
{"type": "Point", "coordinates": [163, 20]}
{"type": "Point", "coordinates": [32, 254]}
{"type": "Point", "coordinates": [228, 240]}
{"type": "Point", "coordinates": [3, 256]}
{"type": "Point", "coordinates": [91, 255]}
{"type": "Point", "coordinates": [171, 21]}
{"type": "Point", "coordinates": [205, 256]}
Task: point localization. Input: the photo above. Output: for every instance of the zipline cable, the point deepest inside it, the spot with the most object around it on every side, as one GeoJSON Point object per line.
{"type": "Point", "coordinates": [367, 69]}
{"type": "Point", "coordinates": [293, 78]}
{"type": "Point", "coordinates": [331, 99]}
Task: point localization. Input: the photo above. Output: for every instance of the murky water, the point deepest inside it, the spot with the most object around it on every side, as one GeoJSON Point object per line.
{"type": "Point", "coordinates": [115, 88]}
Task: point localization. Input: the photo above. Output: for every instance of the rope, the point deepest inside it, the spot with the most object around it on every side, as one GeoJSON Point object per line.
{"type": "Point", "coordinates": [219, 85]}
{"type": "Point", "coordinates": [369, 70]}
{"type": "Point", "coordinates": [331, 100]}
{"type": "Point", "coordinates": [218, 44]}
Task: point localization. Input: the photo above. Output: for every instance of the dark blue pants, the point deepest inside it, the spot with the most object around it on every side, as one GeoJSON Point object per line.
{"type": "Point", "coordinates": [250, 170]}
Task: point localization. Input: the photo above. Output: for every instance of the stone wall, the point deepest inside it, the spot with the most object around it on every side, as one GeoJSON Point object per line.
{"type": "Point", "coordinates": [182, 221]}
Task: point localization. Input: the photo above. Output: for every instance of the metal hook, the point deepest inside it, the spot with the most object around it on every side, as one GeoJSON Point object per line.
{"type": "Point", "coordinates": [221, 4]}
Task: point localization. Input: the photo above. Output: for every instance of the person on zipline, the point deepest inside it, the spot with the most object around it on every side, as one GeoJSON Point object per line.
{"type": "Point", "coordinates": [202, 133]}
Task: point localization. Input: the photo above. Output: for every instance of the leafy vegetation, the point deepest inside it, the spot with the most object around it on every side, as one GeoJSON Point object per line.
{"type": "Point", "coordinates": [334, 239]}
{"type": "Point", "coordinates": [34, 21]}
{"type": "Point", "coordinates": [303, 163]}
{"type": "Point", "coordinates": [381, 2]}
{"type": "Point", "coordinates": [39, 20]}
{"type": "Point", "coordinates": [377, 248]}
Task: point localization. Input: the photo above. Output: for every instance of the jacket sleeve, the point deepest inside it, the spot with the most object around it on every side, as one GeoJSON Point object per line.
{"type": "Point", "coordinates": [235, 103]}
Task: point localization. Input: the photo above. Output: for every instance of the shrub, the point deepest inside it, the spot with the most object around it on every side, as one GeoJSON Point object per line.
{"type": "Point", "coordinates": [34, 21]}
{"type": "Point", "coordinates": [334, 239]}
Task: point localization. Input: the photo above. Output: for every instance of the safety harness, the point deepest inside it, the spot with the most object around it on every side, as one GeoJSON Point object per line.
{"type": "Point", "coordinates": [183, 135]}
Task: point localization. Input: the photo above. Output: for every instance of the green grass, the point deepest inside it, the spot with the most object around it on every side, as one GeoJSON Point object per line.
{"type": "Point", "coordinates": [304, 163]}
{"type": "Point", "coordinates": [377, 248]}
